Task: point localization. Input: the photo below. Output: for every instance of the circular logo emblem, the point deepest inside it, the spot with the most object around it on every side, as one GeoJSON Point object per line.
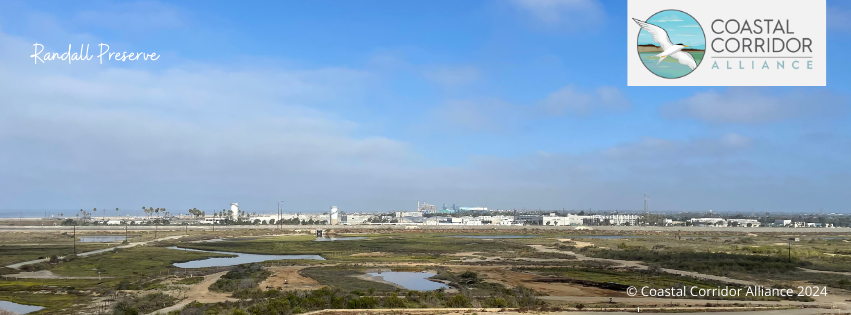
{"type": "Point", "coordinates": [671, 43]}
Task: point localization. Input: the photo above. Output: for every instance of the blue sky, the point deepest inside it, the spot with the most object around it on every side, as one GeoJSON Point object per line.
{"type": "Point", "coordinates": [373, 105]}
{"type": "Point", "coordinates": [681, 29]}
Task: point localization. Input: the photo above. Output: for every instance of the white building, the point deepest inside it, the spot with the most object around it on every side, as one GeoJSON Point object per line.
{"type": "Point", "coordinates": [400, 214]}
{"type": "Point", "coordinates": [234, 207]}
{"type": "Point", "coordinates": [782, 222]}
{"type": "Point", "coordinates": [708, 221]}
{"type": "Point", "coordinates": [497, 219]}
{"type": "Point", "coordinates": [211, 220]}
{"type": "Point", "coordinates": [570, 219]}
{"type": "Point", "coordinates": [355, 218]}
{"type": "Point", "coordinates": [743, 222]}
{"type": "Point", "coordinates": [616, 219]}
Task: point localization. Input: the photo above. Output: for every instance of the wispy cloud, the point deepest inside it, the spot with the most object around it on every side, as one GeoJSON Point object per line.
{"type": "Point", "coordinates": [569, 15]}
{"type": "Point", "coordinates": [755, 106]}
{"type": "Point", "coordinates": [135, 15]}
{"type": "Point", "coordinates": [572, 100]}
{"type": "Point", "coordinates": [839, 18]}
{"type": "Point", "coordinates": [451, 77]}
{"type": "Point", "coordinates": [669, 18]}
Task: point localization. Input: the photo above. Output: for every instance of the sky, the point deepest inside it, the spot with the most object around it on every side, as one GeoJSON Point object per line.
{"type": "Point", "coordinates": [374, 105]}
{"type": "Point", "coordinates": [681, 29]}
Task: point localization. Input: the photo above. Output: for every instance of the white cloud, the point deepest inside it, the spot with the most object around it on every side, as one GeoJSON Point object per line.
{"type": "Point", "coordinates": [497, 115]}
{"type": "Point", "coordinates": [452, 77]}
{"type": "Point", "coordinates": [839, 18]}
{"type": "Point", "coordinates": [567, 15]}
{"type": "Point", "coordinates": [571, 100]}
{"type": "Point", "coordinates": [755, 106]}
{"type": "Point", "coordinates": [669, 18]}
{"type": "Point", "coordinates": [480, 115]}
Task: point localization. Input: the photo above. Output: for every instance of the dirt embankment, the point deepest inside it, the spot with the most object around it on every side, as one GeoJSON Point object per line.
{"type": "Point", "coordinates": [295, 281]}
{"type": "Point", "coordinates": [506, 277]}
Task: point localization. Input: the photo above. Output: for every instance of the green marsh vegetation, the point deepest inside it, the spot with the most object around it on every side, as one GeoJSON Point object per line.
{"type": "Point", "coordinates": [135, 262]}
{"type": "Point", "coordinates": [337, 297]}
{"type": "Point", "coordinates": [397, 247]}
{"type": "Point", "coordinates": [762, 259]}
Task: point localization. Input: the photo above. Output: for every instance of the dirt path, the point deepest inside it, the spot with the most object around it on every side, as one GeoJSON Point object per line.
{"type": "Point", "coordinates": [295, 281]}
{"type": "Point", "coordinates": [94, 252]}
{"type": "Point", "coordinates": [200, 292]}
{"type": "Point", "coordinates": [45, 274]}
{"type": "Point", "coordinates": [825, 271]}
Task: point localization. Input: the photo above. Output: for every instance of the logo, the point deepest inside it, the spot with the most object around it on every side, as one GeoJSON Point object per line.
{"type": "Point", "coordinates": [671, 43]}
{"type": "Point", "coordinates": [726, 43]}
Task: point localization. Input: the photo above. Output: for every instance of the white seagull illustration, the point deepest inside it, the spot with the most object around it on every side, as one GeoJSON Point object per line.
{"type": "Point", "coordinates": [660, 36]}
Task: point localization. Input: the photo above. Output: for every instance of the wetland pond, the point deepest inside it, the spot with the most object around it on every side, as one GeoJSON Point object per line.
{"type": "Point", "coordinates": [233, 261]}
{"type": "Point", "coordinates": [409, 280]}
{"type": "Point", "coordinates": [18, 308]}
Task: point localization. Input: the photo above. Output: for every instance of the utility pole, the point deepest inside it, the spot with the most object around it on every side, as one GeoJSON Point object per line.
{"type": "Point", "coordinates": [646, 210]}
{"type": "Point", "coordinates": [75, 238]}
{"type": "Point", "coordinates": [790, 249]}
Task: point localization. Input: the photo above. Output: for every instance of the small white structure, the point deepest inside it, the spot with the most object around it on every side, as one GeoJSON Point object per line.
{"type": "Point", "coordinates": [234, 207]}
{"type": "Point", "coordinates": [335, 216]}
{"type": "Point", "coordinates": [212, 220]}
{"type": "Point", "coordinates": [743, 222]}
{"type": "Point", "coordinates": [782, 222]}
{"type": "Point", "coordinates": [708, 221]}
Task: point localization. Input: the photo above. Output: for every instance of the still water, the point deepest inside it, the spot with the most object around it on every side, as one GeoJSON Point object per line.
{"type": "Point", "coordinates": [233, 261]}
{"type": "Point", "coordinates": [18, 308]}
{"type": "Point", "coordinates": [410, 280]}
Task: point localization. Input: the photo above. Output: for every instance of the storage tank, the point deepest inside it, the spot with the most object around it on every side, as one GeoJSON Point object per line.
{"type": "Point", "coordinates": [335, 216]}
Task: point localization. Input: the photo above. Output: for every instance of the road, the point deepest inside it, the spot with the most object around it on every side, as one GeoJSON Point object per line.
{"type": "Point", "coordinates": [95, 252]}
{"type": "Point", "coordinates": [200, 292]}
{"type": "Point", "coordinates": [493, 228]}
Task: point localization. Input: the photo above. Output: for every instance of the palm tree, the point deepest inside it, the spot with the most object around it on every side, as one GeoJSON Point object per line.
{"type": "Point", "coordinates": [95, 211]}
{"type": "Point", "coordinates": [116, 211]}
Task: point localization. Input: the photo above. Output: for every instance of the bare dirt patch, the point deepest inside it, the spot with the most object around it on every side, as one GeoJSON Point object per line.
{"type": "Point", "coordinates": [295, 281]}
{"type": "Point", "coordinates": [577, 244]}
